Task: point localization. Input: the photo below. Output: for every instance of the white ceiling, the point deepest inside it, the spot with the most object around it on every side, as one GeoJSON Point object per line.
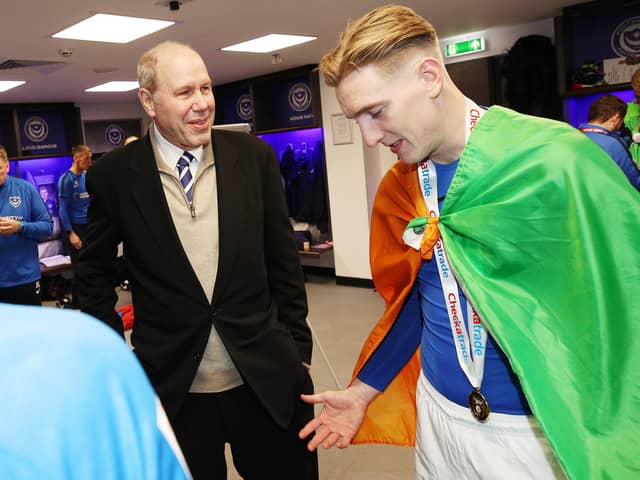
{"type": "Point", "coordinates": [208, 25]}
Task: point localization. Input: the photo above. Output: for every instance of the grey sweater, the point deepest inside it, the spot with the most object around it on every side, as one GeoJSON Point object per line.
{"type": "Point", "coordinates": [197, 227]}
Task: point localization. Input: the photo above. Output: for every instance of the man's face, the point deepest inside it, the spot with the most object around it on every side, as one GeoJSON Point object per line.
{"type": "Point", "coordinates": [182, 106]}
{"type": "Point", "coordinates": [392, 108]}
{"type": "Point", "coordinates": [44, 194]}
{"type": "Point", "coordinates": [83, 160]}
{"type": "Point", "coordinates": [4, 170]}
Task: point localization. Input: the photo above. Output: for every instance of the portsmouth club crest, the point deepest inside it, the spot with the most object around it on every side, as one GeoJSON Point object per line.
{"type": "Point", "coordinates": [114, 135]}
{"type": "Point", "coordinates": [300, 97]}
{"type": "Point", "coordinates": [36, 129]}
{"type": "Point", "coordinates": [244, 107]}
{"type": "Point", "coordinates": [625, 40]}
{"type": "Point", "coordinates": [15, 201]}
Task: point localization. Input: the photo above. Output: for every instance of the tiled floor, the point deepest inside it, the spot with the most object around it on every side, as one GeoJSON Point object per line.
{"type": "Point", "coordinates": [341, 317]}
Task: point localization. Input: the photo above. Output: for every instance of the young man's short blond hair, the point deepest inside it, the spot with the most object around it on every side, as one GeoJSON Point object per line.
{"type": "Point", "coordinates": [378, 37]}
{"type": "Point", "coordinates": [79, 149]}
{"type": "Point", "coordinates": [3, 154]}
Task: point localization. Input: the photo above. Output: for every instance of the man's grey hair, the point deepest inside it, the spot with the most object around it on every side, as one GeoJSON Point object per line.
{"type": "Point", "coordinates": [149, 61]}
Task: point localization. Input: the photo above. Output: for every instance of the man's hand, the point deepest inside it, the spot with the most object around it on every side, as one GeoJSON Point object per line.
{"type": "Point", "coordinates": [74, 240]}
{"type": "Point", "coordinates": [9, 226]}
{"type": "Point", "coordinates": [341, 416]}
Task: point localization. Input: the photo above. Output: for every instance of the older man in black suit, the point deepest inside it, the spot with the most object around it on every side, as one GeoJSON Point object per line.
{"type": "Point", "coordinates": [218, 291]}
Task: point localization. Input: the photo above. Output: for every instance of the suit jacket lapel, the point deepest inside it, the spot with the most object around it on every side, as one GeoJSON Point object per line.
{"type": "Point", "coordinates": [149, 199]}
{"type": "Point", "coordinates": [154, 215]}
{"type": "Point", "coordinates": [230, 186]}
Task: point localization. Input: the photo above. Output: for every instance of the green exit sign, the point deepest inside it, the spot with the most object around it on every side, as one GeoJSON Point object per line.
{"type": "Point", "coordinates": [472, 45]}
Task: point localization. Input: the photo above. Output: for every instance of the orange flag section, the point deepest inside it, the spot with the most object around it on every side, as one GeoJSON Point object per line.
{"type": "Point", "coordinates": [391, 417]}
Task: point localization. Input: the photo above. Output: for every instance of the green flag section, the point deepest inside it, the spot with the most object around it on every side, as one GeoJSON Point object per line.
{"type": "Point", "coordinates": [632, 121]}
{"type": "Point", "coordinates": [543, 231]}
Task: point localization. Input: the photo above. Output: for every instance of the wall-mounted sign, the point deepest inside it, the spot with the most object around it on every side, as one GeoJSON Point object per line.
{"type": "Point", "coordinates": [341, 129]}
{"type": "Point", "coordinates": [237, 106]}
{"type": "Point", "coordinates": [102, 136]}
{"type": "Point", "coordinates": [472, 45]}
{"type": "Point", "coordinates": [601, 44]}
{"type": "Point", "coordinates": [292, 102]}
{"type": "Point", "coordinates": [42, 133]}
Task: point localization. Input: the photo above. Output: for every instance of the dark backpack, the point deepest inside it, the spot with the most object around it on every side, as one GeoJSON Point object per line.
{"type": "Point", "coordinates": [530, 72]}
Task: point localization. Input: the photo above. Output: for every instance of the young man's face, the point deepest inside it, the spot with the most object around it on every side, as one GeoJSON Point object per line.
{"type": "Point", "coordinates": [182, 105]}
{"type": "Point", "coordinates": [393, 108]}
{"type": "Point", "coordinates": [83, 160]}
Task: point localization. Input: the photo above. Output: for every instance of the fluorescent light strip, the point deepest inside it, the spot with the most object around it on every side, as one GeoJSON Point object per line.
{"type": "Point", "coordinates": [268, 43]}
{"type": "Point", "coordinates": [114, 87]}
{"type": "Point", "coordinates": [112, 28]}
{"type": "Point", "coordinates": [9, 84]}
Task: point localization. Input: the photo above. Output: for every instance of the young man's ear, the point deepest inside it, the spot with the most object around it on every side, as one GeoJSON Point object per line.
{"type": "Point", "coordinates": [146, 101]}
{"type": "Point", "coordinates": [431, 72]}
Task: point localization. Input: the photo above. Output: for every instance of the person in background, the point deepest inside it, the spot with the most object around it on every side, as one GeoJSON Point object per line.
{"type": "Point", "coordinates": [510, 284]}
{"type": "Point", "coordinates": [218, 291]}
{"type": "Point", "coordinates": [76, 404]}
{"type": "Point", "coordinates": [606, 116]}
{"type": "Point", "coordinates": [24, 220]}
{"type": "Point", "coordinates": [50, 202]}
{"type": "Point", "coordinates": [632, 119]}
{"type": "Point", "coordinates": [73, 203]}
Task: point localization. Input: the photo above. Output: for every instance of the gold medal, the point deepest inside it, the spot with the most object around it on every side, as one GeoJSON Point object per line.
{"type": "Point", "coordinates": [479, 406]}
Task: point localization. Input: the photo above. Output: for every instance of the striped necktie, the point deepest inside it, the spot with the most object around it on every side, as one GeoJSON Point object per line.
{"type": "Point", "coordinates": [184, 173]}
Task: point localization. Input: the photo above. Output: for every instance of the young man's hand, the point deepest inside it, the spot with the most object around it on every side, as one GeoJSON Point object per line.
{"type": "Point", "coordinates": [341, 416]}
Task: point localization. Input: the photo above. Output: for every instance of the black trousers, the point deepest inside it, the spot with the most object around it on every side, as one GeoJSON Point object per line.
{"type": "Point", "coordinates": [81, 231]}
{"type": "Point", "coordinates": [260, 449]}
{"type": "Point", "coordinates": [26, 294]}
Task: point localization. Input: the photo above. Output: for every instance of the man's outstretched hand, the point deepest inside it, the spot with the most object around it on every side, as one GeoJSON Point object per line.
{"type": "Point", "coordinates": [341, 416]}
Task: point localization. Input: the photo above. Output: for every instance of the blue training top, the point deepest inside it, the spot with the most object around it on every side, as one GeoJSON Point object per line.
{"type": "Point", "coordinates": [614, 145]}
{"type": "Point", "coordinates": [76, 403]}
{"type": "Point", "coordinates": [73, 199]}
{"type": "Point", "coordinates": [423, 319]}
{"type": "Point", "coordinates": [19, 261]}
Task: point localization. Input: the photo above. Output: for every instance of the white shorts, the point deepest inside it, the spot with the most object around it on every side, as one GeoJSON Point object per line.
{"type": "Point", "coordinates": [452, 445]}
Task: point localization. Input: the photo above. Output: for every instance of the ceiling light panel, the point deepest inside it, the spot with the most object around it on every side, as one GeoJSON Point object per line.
{"type": "Point", "coordinates": [9, 84]}
{"type": "Point", "coordinates": [114, 87]}
{"type": "Point", "coordinates": [112, 28]}
{"type": "Point", "coordinates": [268, 43]}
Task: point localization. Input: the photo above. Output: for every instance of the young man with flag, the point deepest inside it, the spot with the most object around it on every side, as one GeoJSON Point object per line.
{"type": "Point", "coordinates": [495, 246]}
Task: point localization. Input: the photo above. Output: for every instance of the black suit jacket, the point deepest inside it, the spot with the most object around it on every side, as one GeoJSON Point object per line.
{"type": "Point", "coordinates": [259, 305]}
